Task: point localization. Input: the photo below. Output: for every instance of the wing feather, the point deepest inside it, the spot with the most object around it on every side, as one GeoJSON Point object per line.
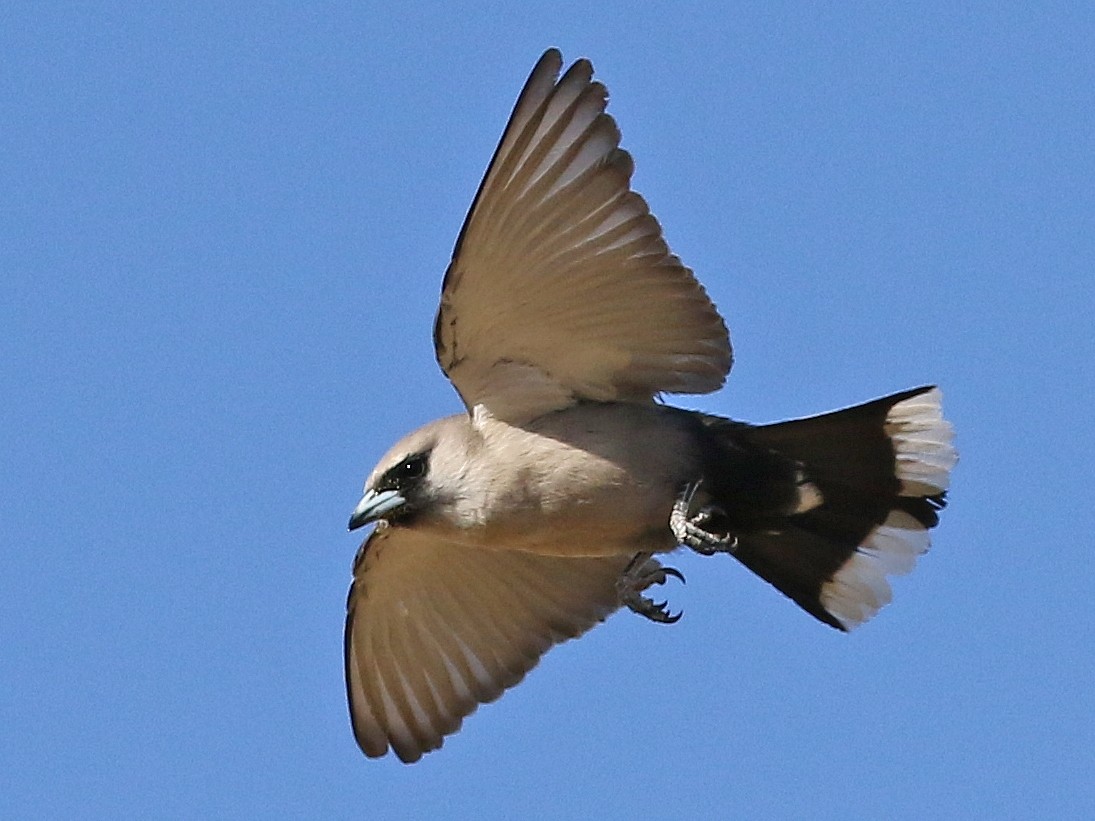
{"type": "Point", "coordinates": [434, 629]}
{"type": "Point", "coordinates": [561, 269]}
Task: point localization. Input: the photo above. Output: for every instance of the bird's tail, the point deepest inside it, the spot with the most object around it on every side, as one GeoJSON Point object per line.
{"type": "Point", "coordinates": [824, 508]}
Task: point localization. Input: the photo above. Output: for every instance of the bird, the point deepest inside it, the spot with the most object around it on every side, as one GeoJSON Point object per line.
{"type": "Point", "coordinates": [549, 502]}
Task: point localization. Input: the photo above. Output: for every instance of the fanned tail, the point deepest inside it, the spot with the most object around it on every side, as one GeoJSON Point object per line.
{"type": "Point", "coordinates": [826, 507]}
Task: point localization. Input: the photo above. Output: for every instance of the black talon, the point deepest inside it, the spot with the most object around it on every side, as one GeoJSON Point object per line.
{"type": "Point", "coordinates": [641, 573]}
{"type": "Point", "coordinates": [676, 574]}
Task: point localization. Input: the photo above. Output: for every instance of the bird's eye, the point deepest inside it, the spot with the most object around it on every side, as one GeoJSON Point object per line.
{"type": "Point", "coordinates": [412, 467]}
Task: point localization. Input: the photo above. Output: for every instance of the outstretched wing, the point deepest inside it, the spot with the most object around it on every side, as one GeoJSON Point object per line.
{"type": "Point", "coordinates": [434, 629]}
{"type": "Point", "coordinates": [561, 286]}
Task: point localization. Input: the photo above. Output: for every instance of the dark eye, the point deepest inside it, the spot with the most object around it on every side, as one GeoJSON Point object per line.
{"type": "Point", "coordinates": [413, 467]}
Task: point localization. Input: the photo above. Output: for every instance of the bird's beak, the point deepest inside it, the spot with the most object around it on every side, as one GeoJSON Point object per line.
{"type": "Point", "coordinates": [373, 506]}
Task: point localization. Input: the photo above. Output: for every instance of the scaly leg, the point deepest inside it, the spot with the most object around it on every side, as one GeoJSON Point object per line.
{"type": "Point", "coordinates": [688, 527]}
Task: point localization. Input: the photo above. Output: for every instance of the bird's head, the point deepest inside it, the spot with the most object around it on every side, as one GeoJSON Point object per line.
{"type": "Point", "coordinates": [406, 482]}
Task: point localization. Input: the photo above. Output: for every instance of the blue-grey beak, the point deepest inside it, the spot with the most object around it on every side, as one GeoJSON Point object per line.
{"type": "Point", "coordinates": [373, 506]}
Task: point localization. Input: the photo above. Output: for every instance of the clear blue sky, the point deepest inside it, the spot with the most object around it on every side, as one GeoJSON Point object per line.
{"type": "Point", "coordinates": [222, 236]}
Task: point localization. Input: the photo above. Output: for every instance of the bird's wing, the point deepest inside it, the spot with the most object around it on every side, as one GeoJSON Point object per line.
{"type": "Point", "coordinates": [433, 629]}
{"type": "Point", "coordinates": [561, 286]}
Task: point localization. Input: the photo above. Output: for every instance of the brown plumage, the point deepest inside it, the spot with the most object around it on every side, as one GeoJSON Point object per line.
{"type": "Point", "coordinates": [541, 510]}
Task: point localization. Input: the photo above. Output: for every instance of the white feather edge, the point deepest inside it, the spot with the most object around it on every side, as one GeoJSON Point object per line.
{"type": "Point", "coordinates": [923, 444]}
{"type": "Point", "coordinates": [925, 456]}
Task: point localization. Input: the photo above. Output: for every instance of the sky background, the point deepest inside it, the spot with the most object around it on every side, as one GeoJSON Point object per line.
{"type": "Point", "coordinates": [223, 228]}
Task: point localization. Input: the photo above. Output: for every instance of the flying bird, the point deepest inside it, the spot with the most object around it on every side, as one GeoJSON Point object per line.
{"type": "Point", "coordinates": [548, 504]}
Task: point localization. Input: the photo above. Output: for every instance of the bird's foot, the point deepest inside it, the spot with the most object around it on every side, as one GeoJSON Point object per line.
{"type": "Point", "coordinates": [688, 527]}
{"type": "Point", "coordinates": [641, 573]}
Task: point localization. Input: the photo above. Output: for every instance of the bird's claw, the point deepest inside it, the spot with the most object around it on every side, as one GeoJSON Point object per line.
{"type": "Point", "coordinates": [688, 527]}
{"type": "Point", "coordinates": [672, 571]}
{"type": "Point", "coordinates": [641, 573]}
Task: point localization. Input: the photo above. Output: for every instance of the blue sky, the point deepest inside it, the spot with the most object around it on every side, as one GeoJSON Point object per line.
{"type": "Point", "coordinates": [223, 232]}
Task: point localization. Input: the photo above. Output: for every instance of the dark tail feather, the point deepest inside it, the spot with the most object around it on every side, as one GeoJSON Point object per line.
{"type": "Point", "coordinates": [826, 507]}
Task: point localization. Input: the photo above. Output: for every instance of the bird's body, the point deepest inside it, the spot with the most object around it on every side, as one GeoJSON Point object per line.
{"type": "Point", "coordinates": [544, 508]}
{"type": "Point", "coordinates": [594, 479]}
